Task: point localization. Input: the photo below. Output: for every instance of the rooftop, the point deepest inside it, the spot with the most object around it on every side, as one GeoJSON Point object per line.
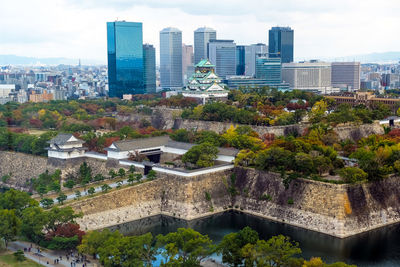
{"type": "Point", "coordinates": [63, 138]}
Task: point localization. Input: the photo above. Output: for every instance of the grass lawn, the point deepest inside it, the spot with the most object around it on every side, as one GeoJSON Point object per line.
{"type": "Point", "coordinates": [7, 260]}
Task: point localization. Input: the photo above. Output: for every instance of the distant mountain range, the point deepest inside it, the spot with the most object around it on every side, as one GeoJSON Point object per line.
{"type": "Point", "coordinates": [386, 57]}
{"type": "Point", "coordinates": [381, 58]}
{"type": "Point", "coordinates": [31, 61]}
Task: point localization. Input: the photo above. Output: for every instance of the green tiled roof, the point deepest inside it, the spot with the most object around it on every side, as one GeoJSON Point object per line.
{"type": "Point", "coordinates": [204, 63]}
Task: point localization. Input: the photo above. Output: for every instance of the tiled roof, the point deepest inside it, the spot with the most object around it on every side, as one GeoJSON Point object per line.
{"type": "Point", "coordinates": [62, 139]}
{"type": "Point", "coordinates": [140, 143]}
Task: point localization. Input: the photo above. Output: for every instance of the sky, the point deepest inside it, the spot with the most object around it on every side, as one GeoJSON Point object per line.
{"type": "Point", "coordinates": [77, 28]}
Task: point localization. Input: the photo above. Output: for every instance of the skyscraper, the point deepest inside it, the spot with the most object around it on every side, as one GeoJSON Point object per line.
{"type": "Point", "coordinates": [202, 37]}
{"type": "Point", "coordinates": [269, 69]}
{"type": "Point", "coordinates": [346, 74]}
{"type": "Point", "coordinates": [240, 59]}
{"type": "Point", "coordinates": [171, 58]}
{"type": "Point", "coordinates": [222, 53]}
{"type": "Point", "coordinates": [187, 61]}
{"type": "Point", "coordinates": [252, 52]}
{"type": "Point", "coordinates": [125, 58]}
{"type": "Point", "coordinates": [149, 58]}
{"type": "Point", "coordinates": [281, 41]}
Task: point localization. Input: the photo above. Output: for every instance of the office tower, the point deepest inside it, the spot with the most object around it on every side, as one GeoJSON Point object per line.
{"type": "Point", "coordinates": [281, 43]}
{"type": "Point", "coordinates": [269, 69]}
{"type": "Point", "coordinates": [149, 59]}
{"type": "Point", "coordinates": [202, 37]}
{"type": "Point", "coordinates": [125, 58]}
{"type": "Point", "coordinates": [240, 59]}
{"type": "Point", "coordinates": [313, 75]}
{"type": "Point", "coordinates": [171, 58]}
{"type": "Point", "coordinates": [187, 61]}
{"type": "Point", "coordinates": [222, 53]}
{"type": "Point", "coordinates": [346, 75]}
{"type": "Point", "coordinates": [252, 52]}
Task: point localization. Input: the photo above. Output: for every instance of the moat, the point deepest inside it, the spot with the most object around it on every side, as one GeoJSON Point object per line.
{"type": "Point", "coordinates": [379, 247]}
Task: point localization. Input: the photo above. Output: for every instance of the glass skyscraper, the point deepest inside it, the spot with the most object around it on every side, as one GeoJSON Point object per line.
{"type": "Point", "coordinates": [149, 59]}
{"type": "Point", "coordinates": [269, 69]}
{"type": "Point", "coordinates": [281, 41]}
{"type": "Point", "coordinates": [222, 53]}
{"type": "Point", "coordinates": [240, 59]}
{"type": "Point", "coordinates": [125, 58]}
{"type": "Point", "coordinates": [202, 37]}
{"type": "Point", "coordinates": [171, 59]}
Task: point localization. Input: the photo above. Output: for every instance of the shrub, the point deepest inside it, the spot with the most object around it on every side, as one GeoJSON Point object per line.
{"type": "Point", "coordinates": [353, 175]}
{"type": "Point", "coordinates": [266, 197]}
{"type": "Point", "coordinates": [19, 255]}
{"type": "Point", "coordinates": [290, 201]}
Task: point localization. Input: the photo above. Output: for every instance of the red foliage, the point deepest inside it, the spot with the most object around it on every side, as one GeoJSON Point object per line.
{"type": "Point", "coordinates": [66, 230]}
{"type": "Point", "coordinates": [294, 106]}
{"type": "Point", "coordinates": [147, 130]}
{"type": "Point", "coordinates": [268, 138]}
{"type": "Point", "coordinates": [394, 133]}
{"type": "Point", "coordinates": [110, 140]}
{"type": "Point", "coordinates": [90, 108]}
{"type": "Point", "coordinates": [36, 123]}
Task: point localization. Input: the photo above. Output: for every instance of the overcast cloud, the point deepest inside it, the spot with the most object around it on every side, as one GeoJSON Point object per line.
{"type": "Point", "coordinates": [77, 28]}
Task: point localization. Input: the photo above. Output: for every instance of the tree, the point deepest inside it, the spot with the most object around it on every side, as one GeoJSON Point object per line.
{"type": "Point", "coordinates": [112, 173]}
{"type": "Point", "coordinates": [16, 200]}
{"type": "Point", "coordinates": [151, 175]}
{"type": "Point", "coordinates": [85, 173]}
{"type": "Point", "coordinates": [91, 191]}
{"type": "Point", "coordinates": [105, 188]}
{"type": "Point", "coordinates": [186, 247]}
{"type": "Point", "coordinates": [47, 203]}
{"type": "Point", "coordinates": [9, 225]}
{"type": "Point", "coordinates": [121, 172]}
{"type": "Point", "coordinates": [202, 155]}
{"type": "Point", "coordinates": [33, 221]}
{"type": "Point", "coordinates": [232, 244]}
{"type": "Point", "coordinates": [132, 169]}
{"type": "Point", "coordinates": [59, 216]}
{"type": "Point", "coordinates": [353, 175]}
{"type": "Point", "coordinates": [274, 158]}
{"type": "Point", "coordinates": [318, 111]}
{"type": "Point", "coordinates": [61, 198]}
{"type": "Point", "coordinates": [138, 177]}
{"type": "Point", "coordinates": [69, 184]}
{"type": "Point", "coordinates": [278, 251]}
{"type": "Point", "coordinates": [131, 178]}
{"type": "Point", "coordinates": [77, 194]}
{"type": "Point", "coordinates": [94, 240]}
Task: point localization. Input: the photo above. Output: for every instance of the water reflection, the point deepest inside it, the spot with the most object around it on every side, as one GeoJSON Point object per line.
{"type": "Point", "coordinates": [379, 247]}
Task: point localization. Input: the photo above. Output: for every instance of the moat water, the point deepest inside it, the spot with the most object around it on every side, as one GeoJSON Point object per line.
{"type": "Point", "coordinates": [380, 247]}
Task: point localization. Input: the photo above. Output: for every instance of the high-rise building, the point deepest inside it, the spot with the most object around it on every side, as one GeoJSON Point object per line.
{"type": "Point", "coordinates": [171, 58]}
{"type": "Point", "coordinates": [252, 52]}
{"type": "Point", "coordinates": [281, 41]}
{"type": "Point", "coordinates": [202, 37]}
{"type": "Point", "coordinates": [149, 58]}
{"type": "Point", "coordinates": [346, 75]}
{"type": "Point", "coordinates": [240, 59]}
{"type": "Point", "coordinates": [269, 69]}
{"type": "Point", "coordinates": [187, 61]}
{"type": "Point", "coordinates": [222, 53]}
{"type": "Point", "coordinates": [125, 58]}
{"type": "Point", "coordinates": [313, 76]}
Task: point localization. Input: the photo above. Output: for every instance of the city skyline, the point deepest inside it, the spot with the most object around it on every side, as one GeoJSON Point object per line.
{"type": "Point", "coordinates": [76, 30]}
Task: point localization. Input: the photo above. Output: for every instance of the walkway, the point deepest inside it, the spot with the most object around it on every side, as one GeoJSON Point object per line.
{"type": "Point", "coordinates": [46, 258]}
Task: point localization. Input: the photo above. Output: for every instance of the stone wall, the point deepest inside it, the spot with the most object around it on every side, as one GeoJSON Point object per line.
{"type": "Point", "coordinates": [23, 167]}
{"type": "Point", "coordinates": [165, 118]}
{"type": "Point", "coordinates": [170, 195]}
{"type": "Point", "coordinates": [338, 210]}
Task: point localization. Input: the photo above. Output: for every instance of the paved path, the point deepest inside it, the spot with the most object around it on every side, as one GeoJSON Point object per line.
{"type": "Point", "coordinates": [47, 257]}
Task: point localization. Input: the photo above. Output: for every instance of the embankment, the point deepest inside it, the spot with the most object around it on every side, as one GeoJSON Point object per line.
{"type": "Point", "coordinates": [337, 210]}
